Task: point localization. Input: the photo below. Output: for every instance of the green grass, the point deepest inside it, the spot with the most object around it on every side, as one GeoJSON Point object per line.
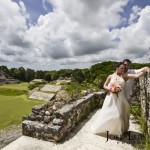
{"type": "Point", "coordinates": [14, 89]}
{"type": "Point", "coordinates": [137, 113]}
{"type": "Point", "coordinates": [73, 88]}
{"type": "Point", "coordinates": [11, 92]}
{"type": "Point", "coordinates": [13, 107]}
{"type": "Point", "coordinates": [21, 86]}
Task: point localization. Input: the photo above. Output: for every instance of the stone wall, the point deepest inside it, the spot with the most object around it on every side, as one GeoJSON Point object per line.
{"type": "Point", "coordinates": [53, 120]}
{"type": "Point", "coordinates": [145, 100]}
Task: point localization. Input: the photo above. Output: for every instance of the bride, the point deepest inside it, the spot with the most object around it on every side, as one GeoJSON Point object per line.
{"type": "Point", "coordinates": [114, 115]}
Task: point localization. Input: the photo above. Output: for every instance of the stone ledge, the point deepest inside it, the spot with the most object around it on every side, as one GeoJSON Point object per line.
{"type": "Point", "coordinates": [55, 125]}
{"type": "Point", "coordinates": [144, 97]}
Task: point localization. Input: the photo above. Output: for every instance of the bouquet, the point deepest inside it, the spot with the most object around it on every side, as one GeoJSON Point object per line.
{"type": "Point", "coordinates": [114, 88]}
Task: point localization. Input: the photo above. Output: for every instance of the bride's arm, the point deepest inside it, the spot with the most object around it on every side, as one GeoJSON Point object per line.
{"type": "Point", "coordinates": [147, 69]}
{"type": "Point", "coordinates": [105, 86]}
{"type": "Point", "coordinates": [134, 76]}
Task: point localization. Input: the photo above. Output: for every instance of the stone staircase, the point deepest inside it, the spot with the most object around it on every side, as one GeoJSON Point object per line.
{"type": "Point", "coordinates": [81, 138]}
{"type": "Point", "coordinates": [43, 94]}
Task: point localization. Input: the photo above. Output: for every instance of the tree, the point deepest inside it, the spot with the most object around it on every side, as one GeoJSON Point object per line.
{"type": "Point", "coordinates": [39, 74]}
{"type": "Point", "coordinates": [54, 75]}
{"type": "Point", "coordinates": [21, 73]}
{"type": "Point", "coordinates": [78, 75]}
{"type": "Point", "coordinates": [29, 75]}
{"type": "Point", "coordinates": [47, 76]}
{"type": "Point", "coordinates": [12, 72]}
{"type": "Point", "coordinates": [4, 69]}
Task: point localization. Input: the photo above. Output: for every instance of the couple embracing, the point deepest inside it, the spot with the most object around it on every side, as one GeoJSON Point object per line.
{"type": "Point", "coordinates": [115, 112]}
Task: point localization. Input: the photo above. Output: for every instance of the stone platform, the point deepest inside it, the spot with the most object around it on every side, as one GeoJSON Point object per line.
{"type": "Point", "coordinates": [81, 138]}
{"type": "Point", "coordinates": [51, 88]}
{"type": "Point", "coordinates": [41, 96]}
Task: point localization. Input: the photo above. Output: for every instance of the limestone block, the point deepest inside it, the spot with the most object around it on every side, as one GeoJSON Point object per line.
{"type": "Point", "coordinates": [41, 96]}
{"type": "Point", "coordinates": [51, 88]}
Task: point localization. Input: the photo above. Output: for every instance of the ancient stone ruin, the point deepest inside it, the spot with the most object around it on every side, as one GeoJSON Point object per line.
{"type": "Point", "coordinates": [53, 120]}
{"type": "Point", "coordinates": [6, 79]}
{"type": "Point", "coordinates": [144, 96]}
{"type": "Point", "coordinates": [44, 92]}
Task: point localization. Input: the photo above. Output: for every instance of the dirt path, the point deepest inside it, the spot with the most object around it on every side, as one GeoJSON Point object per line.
{"type": "Point", "coordinates": [9, 135]}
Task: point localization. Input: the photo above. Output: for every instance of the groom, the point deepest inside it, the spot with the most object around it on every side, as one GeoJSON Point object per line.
{"type": "Point", "coordinates": [129, 82]}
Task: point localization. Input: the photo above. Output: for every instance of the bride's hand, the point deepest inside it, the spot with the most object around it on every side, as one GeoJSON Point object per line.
{"type": "Point", "coordinates": [146, 69]}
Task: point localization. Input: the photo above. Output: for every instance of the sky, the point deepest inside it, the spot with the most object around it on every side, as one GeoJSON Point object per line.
{"type": "Point", "coordinates": [68, 34]}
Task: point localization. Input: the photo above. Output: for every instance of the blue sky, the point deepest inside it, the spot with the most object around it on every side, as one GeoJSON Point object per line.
{"type": "Point", "coordinates": [35, 8]}
{"type": "Point", "coordinates": [54, 34]}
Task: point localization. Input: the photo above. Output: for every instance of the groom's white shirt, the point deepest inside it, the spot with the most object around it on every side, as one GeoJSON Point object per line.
{"type": "Point", "coordinates": [129, 84]}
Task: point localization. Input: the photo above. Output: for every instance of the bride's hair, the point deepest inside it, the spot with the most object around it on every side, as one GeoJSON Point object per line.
{"type": "Point", "coordinates": [118, 64]}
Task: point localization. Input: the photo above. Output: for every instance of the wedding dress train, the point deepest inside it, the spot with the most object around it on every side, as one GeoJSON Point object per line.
{"type": "Point", "coordinates": [115, 112]}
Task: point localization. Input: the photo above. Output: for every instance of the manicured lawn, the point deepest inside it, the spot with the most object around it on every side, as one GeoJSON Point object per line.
{"type": "Point", "coordinates": [12, 108]}
{"type": "Point", "coordinates": [21, 86]}
{"type": "Point", "coordinates": [12, 92]}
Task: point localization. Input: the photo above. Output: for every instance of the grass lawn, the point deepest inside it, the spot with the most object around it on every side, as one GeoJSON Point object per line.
{"type": "Point", "coordinates": [21, 86]}
{"type": "Point", "coordinates": [13, 107]}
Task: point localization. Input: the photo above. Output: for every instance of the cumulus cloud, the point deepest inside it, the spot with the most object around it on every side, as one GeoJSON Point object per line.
{"type": "Point", "coordinates": [12, 27]}
{"type": "Point", "coordinates": [134, 15]}
{"type": "Point", "coordinates": [23, 10]}
{"type": "Point", "coordinates": [76, 28]}
{"type": "Point", "coordinates": [135, 39]}
{"type": "Point", "coordinates": [75, 32]}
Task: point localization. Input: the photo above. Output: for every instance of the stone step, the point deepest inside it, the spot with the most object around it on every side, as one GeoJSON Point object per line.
{"type": "Point", "coordinates": [81, 138]}
{"type": "Point", "coordinates": [50, 88]}
{"type": "Point", "coordinates": [41, 96]}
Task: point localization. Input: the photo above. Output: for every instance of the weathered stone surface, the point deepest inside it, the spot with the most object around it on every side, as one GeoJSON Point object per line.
{"type": "Point", "coordinates": [6, 79]}
{"type": "Point", "coordinates": [41, 96]}
{"type": "Point", "coordinates": [81, 138]}
{"type": "Point", "coordinates": [47, 119]}
{"type": "Point", "coordinates": [50, 88]}
{"type": "Point", "coordinates": [144, 96]}
{"type": "Point", "coordinates": [62, 94]}
{"type": "Point", "coordinates": [47, 113]}
{"type": "Point", "coordinates": [57, 119]}
{"type": "Point", "coordinates": [37, 109]}
{"type": "Point", "coordinates": [32, 117]}
{"type": "Point", "coordinates": [37, 81]}
{"type": "Point", "coordinates": [59, 82]}
{"type": "Point", "coordinates": [64, 111]}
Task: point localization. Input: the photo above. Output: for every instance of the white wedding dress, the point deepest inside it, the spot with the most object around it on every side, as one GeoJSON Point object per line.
{"type": "Point", "coordinates": [115, 112]}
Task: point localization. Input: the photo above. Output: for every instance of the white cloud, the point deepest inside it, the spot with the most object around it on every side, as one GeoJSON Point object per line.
{"type": "Point", "coordinates": [134, 15]}
{"type": "Point", "coordinates": [135, 39]}
{"type": "Point", "coordinates": [44, 4]}
{"type": "Point", "coordinates": [23, 10]}
{"type": "Point", "coordinates": [12, 25]}
{"type": "Point", "coordinates": [76, 32]}
{"type": "Point", "coordinates": [76, 28]}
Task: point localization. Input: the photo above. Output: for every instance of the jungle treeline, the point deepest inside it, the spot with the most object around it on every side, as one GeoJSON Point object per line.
{"type": "Point", "coordinates": [96, 74]}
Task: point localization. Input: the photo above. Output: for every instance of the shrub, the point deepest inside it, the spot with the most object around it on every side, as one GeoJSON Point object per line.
{"type": "Point", "coordinates": [34, 85]}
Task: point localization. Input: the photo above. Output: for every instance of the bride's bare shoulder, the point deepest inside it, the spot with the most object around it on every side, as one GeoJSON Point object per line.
{"type": "Point", "coordinates": [110, 76]}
